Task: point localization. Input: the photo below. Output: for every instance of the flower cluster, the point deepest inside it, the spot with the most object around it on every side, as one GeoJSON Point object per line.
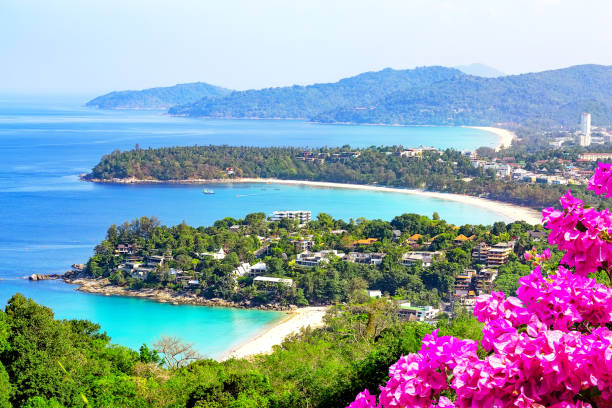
{"type": "Point", "coordinates": [583, 233]}
{"type": "Point", "coordinates": [547, 347]}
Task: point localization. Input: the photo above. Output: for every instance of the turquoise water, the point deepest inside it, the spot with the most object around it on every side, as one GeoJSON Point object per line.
{"type": "Point", "coordinates": [132, 322]}
{"type": "Point", "coordinates": [51, 220]}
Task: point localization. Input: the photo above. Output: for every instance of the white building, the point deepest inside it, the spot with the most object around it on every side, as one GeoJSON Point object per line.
{"type": "Point", "coordinates": [426, 257]}
{"type": "Point", "coordinates": [300, 215]}
{"type": "Point", "coordinates": [247, 269]}
{"type": "Point", "coordinates": [267, 280]}
{"type": "Point", "coordinates": [585, 129]}
{"type": "Point", "coordinates": [312, 259]}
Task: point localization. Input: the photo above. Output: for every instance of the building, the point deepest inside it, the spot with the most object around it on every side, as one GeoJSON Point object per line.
{"type": "Point", "coordinates": [300, 215]}
{"type": "Point", "coordinates": [258, 269]}
{"type": "Point", "coordinates": [367, 241]}
{"type": "Point", "coordinates": [426, 257]}
{"type": "Point", "coordinates": [125, 249]}
{"type": "Point", "coordinates": [303, 244]}
{"type": "Point", "coordinates": [480, 253]}
{"type": "Point", "coordinates": [462, 239]}
{"type": "Point", "coordinates": [372, 258]}
{"type": "Point", "coordinates": [485, 278]}
{"type": "Point", "coordinates": [595, 156]}
{"type": "Point", "coordinates": [414, 239]}
{"type": "Point", "coordinates": [219, 255]}
{"type": "Point", "coordinates": [417, 313]}
{"type": "Point", "coordinates": [585, 129]}
{"type": "Point", "coordinates": [498, 254]}
{"type": "Point", "coordinates": [268, 281]}
{"type": "Point", "coordinates": [375, 294]}
{"type": "Point", "coordinates": [246, 269]}
{"type": "Point", "coordinates": [312, 259]}
{"type": "Point", "coordinates": [463, 282]}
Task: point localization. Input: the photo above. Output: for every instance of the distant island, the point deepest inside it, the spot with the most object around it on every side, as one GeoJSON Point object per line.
{"type": "Point", "coordinates": [158, 98]}
{"type": "Point", "coordinates": [432, 95]}
{"type": "Point", "coordinates": [529, 179]}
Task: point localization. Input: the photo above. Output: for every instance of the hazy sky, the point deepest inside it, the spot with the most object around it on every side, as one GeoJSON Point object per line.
{"type": "Point", "coordinates": [91, 46]}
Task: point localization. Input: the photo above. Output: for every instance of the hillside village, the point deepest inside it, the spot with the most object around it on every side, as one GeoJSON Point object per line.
{"type": "Point", "coordinates": [425, 266]}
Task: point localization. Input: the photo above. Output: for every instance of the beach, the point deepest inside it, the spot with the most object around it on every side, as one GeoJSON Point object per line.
{"type": "Point", "coordinates": [263, 343]}
{"type": "Point", "coordinates": [504, 136]}
{"type": "Point", "coordinates": [510, 211]}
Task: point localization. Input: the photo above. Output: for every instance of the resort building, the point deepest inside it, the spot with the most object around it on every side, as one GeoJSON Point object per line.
{"type": "Point", "coordinates": [480, 253]}
{"type": "Point", "coordinates": [303, 244]}
{"type": "Point", "coordinates": [300, 215]}
{"type": "Point", "coordinates": [414, 239]}
{"type": "Point", "coordinates": [219, 255]}
{"type": "Point", "coordinates": [367, 241]}
{"type": "Point", "coordinates": [426, 257]}
{"type": "Point", "coordinates": [268, 281]}
{"type": "Point", "coordinates": [498, 254]}
{"type": "Point", "coordinates": [595, 156]}
{"type": "Point", "coordinates": [125, 249]}
{"type": "Point", "coordinates": [463, 282]}
{"type": "Point", "coordinates": [246, 269]}
{"type": "Point", "coordinates": [417, 313]}
{"type": "Point", "coordinates": [484, 280]}
{"type": "Point", "coordinates": [372, 258]}
{"type": "Point", "coordinates": [462, 239]}
{"type": "Point", "coordinates": [312, 259]}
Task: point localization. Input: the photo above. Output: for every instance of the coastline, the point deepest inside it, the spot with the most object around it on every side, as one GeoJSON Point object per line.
{"type": "Point", "coordinates": [511, 211]}
{"type": "Point", "coordinates": [505, 137]}
{"type": "Point", "coordinates": [105, 288]}
{"type": "Point", "coordinates": [263, 343]}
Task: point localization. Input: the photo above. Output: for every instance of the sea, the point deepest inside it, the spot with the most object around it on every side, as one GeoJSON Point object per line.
{"type": "Point", "coordinates": [50, 219]}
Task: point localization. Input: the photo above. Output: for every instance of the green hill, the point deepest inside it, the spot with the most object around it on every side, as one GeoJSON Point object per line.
{"type": "Point", "coordinates": [552, 97]}
{"type": "Point", "coordinates": [158, 98]}
{"type": "Point", "coordinates": [428, 95]}
{"type": "Point", "coordinates": [304, 102]}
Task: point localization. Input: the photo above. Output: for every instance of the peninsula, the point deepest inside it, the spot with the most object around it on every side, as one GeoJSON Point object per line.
{"type": "Point", "coordinates": [534, 180]}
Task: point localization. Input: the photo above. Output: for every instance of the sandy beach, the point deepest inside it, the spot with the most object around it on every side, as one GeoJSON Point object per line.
{"type": "Point", "coordinates": [505, 136]}
{"type": "Point", "coordinates": [510, 211]}
{"type": "Point", "coordinates": [303, 317]}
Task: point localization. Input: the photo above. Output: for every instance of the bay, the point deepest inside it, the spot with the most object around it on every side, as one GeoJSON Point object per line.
{"type": "Point", "coordinates": [50, 219]}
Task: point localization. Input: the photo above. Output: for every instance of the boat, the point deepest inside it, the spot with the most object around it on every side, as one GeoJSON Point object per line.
{"type": "Point", "coordinates": [207, 191]}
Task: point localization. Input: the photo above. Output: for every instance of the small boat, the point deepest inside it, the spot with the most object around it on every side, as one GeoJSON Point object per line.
{"type": "Point", "coordinates": [207, 191]}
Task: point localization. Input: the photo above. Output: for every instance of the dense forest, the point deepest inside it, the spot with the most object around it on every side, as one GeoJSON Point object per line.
{"type": "Point", "coordinates": [428, 96]}
{"type": "Point", "coordinates": [157, 98]}
{"type": "Point", "coordinates": [50, 363]}
{"type": "Point", "coordinates": [446, 171]}
{"type": "Point", "coordinates": [190, 268]}
{"type": "Point", "coordinates": [305, 102]}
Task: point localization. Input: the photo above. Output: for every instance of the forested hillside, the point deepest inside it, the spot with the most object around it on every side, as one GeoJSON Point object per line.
{"type": "Point", "coordinates": [157, 98]}
{"type": "Point", "coordinates": [429, 96]}
{"type": "Point", "coordinates": [304, 102]}
{"type": "Point", "coordinates": [548, 98]}
{"type": "Point", "coordinates": [447, 171]}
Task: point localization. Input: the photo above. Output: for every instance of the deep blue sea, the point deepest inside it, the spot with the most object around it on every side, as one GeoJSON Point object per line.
{"type": "Point", "coordinates": [50, 219]}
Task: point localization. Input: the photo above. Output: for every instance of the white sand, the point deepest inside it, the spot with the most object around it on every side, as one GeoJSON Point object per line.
{"type": "Point", "coordinates": [505, 136]}
{"type": "Point", "coordinates": [509, 211]}
{"type": "Point", "coordinates": [262, 344]}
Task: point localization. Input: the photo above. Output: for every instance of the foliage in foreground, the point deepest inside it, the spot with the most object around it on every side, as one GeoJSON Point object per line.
{"type": "Point", "coordinates": [46, 362]}
{"type": "Point", "coordinates": [551, 346]}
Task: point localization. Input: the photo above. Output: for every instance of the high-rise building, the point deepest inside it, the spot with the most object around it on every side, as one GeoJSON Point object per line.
{"type": "Point", "coordinates": [585, 129]}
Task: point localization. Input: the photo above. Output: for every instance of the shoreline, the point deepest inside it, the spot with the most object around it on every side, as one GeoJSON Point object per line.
{"type": "Point", "coordinates": [104, 288]}
{"type": "Point", "coordinates": [511, 211]}
{"type": "Point", "coordinates": [504, 136]}
{"type": "Point", "coordinates": [263, 343]}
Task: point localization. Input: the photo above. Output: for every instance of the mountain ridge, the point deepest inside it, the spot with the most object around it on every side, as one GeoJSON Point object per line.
{"type": "Point", "coordinates": [158, 97]}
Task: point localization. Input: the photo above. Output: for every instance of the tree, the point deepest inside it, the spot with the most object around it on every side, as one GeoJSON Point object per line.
{"type": "Point", "coordinates": [176, 353]}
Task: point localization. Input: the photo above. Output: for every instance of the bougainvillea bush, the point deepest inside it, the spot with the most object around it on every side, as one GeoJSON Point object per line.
{"type": "Point", "coordinates": [551, 346]}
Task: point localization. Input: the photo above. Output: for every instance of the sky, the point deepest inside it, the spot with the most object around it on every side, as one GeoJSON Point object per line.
{"type": "Point", "coordinates": [96, 46]}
